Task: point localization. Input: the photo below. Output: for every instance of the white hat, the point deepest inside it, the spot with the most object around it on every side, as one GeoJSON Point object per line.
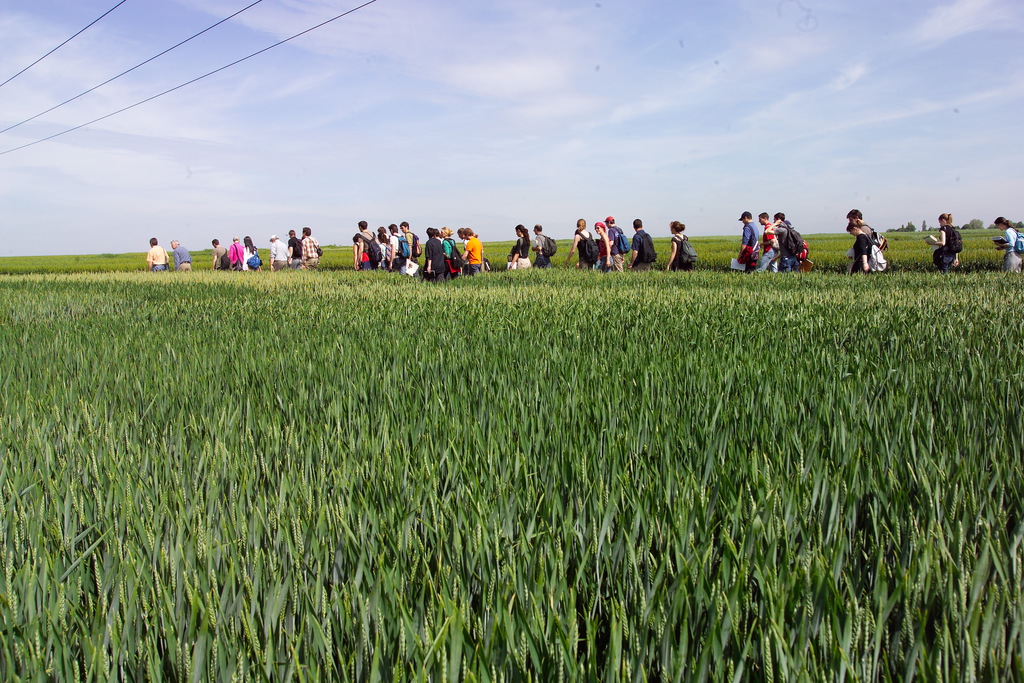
{"type": "Point", "coordinates": [273, 237]}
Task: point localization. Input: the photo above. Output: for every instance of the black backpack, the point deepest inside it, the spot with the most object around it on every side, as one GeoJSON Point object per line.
{"type": "Point", "coordinates": [455, 261]}
{"type": "Point", "coordinates": [954, 243]}
{"type": "Point", "coordinates": [647, 253]}
{"type": "Point", "coordinates": [685, 253]}
{"type": "Point", "coordinates": [589, 253]}
{"type": "Point", "coordinates": [373, 250]}
{"type": "Point", "coordinates": [549, 247]}
{"type": "Point", "coordinates": [224, 262]}
{"type": "Point", "coordinates": [794, 242]}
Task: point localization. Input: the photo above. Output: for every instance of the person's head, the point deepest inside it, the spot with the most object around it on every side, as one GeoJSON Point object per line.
{"type": "Point", "coordinates": [248, 243]}
{"type": "Point", "coordinates": [746, 217]}
{"type": "Point", "coordinates": [946, 219]}
{"type": "Point", "coordinates": [215, 243]}
{"type": "Point", "coordinates": [291, 233]}
{"type": "Point", "coordinates": [306, 232]}
{"type": "Point", "coordinates": [762, 218]}
{"type": "Point", "coordinates": [1003, 223]}
{"type": "Point", "coordinates": [382, 234]}
{"type": "Point", "coordinates": [431, 232]}
{"type": "Point", "coordinates": [538, 229]}
{"type": "Point", "coordinates": [363, 225]}
{"type": "Point", "coordinates": [521, 230]}
{"type": "Point", "coordinates": [153, 242]}
{"type": "Point", "coordinates": [393, 228]}
{"type": "Point", "coordinates": [609, 221]}
{"type": "Point", "coordinates": [638, 224]}
{"type": "Point", "coordinates": [600, 227]}
{"type": "Point", "coordinates": [581, 224]}
{"type": "Point", "coordinates": [461, 232]}
{"type": "Point", "coordinates": [273, 238]}
{"type": "Point", "coordinates": [780, 216]}
{"type": "Point", "coordinates": [853, 227]}
{"type": "Point", "coordinates": [404, 225]}
{"type": "Point", "coordinates": [446, 232]}
{"type": "Point", "coordinates": [236, 239]}
{"type": "Point", "coordinates": [676, 227]}
{"type": "Point", "coordinates": [855, 214]}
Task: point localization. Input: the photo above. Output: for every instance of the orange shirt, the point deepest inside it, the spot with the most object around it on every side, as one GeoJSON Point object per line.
{"type": "Point", "coordinates": [474, 251]}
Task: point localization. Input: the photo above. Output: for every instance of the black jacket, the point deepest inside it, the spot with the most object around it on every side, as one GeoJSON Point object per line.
{"type": "Point", "coordinates": [434, 251]}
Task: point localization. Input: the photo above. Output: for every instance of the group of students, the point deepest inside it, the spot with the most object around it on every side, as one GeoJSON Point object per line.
{"type": "Point", "coordinates": [776, 247]}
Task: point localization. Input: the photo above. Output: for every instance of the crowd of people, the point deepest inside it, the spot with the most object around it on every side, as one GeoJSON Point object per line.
{"type": "Point", "coordinates": [771, 244]}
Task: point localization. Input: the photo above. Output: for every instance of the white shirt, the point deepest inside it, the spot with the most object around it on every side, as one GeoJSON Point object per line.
{"type": "Point", "coordinates": [278, 251]}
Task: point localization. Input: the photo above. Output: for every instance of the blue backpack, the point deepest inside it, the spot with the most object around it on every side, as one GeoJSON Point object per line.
{"type": "Point", "coordinates": [621, 243]}
{"type": "Point", "coordinates": [403, 247]}
{"type": "Point", "coordinates": [1018, 244]}
{"type": "Point", "coordinates": [254, 261]}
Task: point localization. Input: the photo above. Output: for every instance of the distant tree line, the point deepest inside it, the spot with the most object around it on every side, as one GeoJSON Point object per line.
{"type": "Point", "coordinates": [973, 224]}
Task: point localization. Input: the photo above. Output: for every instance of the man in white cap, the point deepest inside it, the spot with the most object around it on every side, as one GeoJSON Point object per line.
{"type": "Point", "coordinates": [278, 254]}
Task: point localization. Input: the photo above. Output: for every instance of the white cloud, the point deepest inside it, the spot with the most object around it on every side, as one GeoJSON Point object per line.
{"type": "Point", "coordinates": [962, 17]}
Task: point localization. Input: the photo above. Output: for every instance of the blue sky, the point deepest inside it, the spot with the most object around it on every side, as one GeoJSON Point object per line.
{"type": "Point", "coordinates": [491, 113]}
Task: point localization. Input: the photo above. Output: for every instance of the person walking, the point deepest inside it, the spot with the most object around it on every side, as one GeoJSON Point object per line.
{"type": "Point", "coordinates": [451, 251]}
{"type": "Point", "coordinates": [278, 254]}
{"type": "Point", "coordinates": [680, 258]}
{"type": "Point", "coordinates": [413, 243]}
{"type": "Point", "coordinates": [604, 248]}
{"type": "Point", "coordinates": [362, 248]}
{"type": "Point", "coordinates": [617, 243]}
{"type": "Point", "coordinates": [236, 254]}
{"type": "Point", "coordinates": [519, 257]}
{"type": "Point", "coordinates": [434, 269]}
{"type": "Point", "coordinates": [310, 250]}
{"type": "Point", "coordinates": [220, 257]}
{"type": "Point", "coordinates": [748, 243]}
{"type": "Point", "coordinates": [944, 256]}
{"type": "Point", "coordinates": [790, 244]}
{"type": "Point", "coordinates": [294, 251]}
{"type": "Point", "coordinates": [644, 255]}
{"type": "Point", "coordinates": [156, 257]}
{"type": "Point", "coordinates": [861, 249]}
{"type": "Point", "coordinates": [540, 241]}
{"type": "Point", "coordinates": [182, 259]}
{"type": "Point", "coordinates": [474, 252]}
{"type": "Point", "coordinates": [252, 255]}
{"type": "Point", "coordinates": [583, 243]}
{"type": "Point", "coordinates": [1011, 237]}
{"type": "Point", "coordinates": [769, 245]}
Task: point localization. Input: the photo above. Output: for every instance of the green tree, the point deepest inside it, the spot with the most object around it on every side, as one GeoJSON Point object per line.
{"type": "Point", "coordinates": [974, 224]}
{"type": "Point", "coordinates": [924, 225]}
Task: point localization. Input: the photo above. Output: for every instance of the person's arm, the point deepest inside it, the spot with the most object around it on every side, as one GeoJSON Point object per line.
{"type": "Point", "coordinates": [572, 250]}
{"type": "Point", "coordinates": [607, 249]}
{"type": "Point", "coordinates": [672, 256]}
{"type": "Point", "coordinates": [357, 252]}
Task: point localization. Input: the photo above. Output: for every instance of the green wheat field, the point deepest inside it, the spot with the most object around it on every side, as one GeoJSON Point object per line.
{"type": "Point", "coordinates": [541, 475]}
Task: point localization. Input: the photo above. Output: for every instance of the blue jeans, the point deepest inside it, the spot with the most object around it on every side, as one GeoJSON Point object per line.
{"type": "Point", "coordinates": [161, 267]}
{"type": "Point", "coordinates": [766, 262]}
{"type": "Point", "coordinates": [542, 261]}
{"type": "Point", "coordinates": [789, 264]}
{"type": "Point", "coordinates": [946, 263]}
{"type": "Point", "coordinates": [472, 268]}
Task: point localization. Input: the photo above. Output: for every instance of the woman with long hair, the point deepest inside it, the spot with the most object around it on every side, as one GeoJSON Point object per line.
{"type": "Point", "coordinates": [250, 252]}
{"type": "Point", "coordinates": [677, 259]}
{"type": "Point", "coordinates": [519, 257]}
{"type": "Point", "coordinates": [584, 243]}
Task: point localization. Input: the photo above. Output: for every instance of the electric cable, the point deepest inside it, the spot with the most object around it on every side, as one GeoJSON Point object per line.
{"type": "Point", "coordinates": [128, 71]}
{"type": "Point", "coordinates": [187, 83]}
{"type": "Point", "coordinates": [62, 44]}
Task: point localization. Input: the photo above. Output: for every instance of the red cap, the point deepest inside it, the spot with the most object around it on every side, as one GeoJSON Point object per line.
{"type": "Point", "coordinates": [609, 220]}
{"type": "Point", "coordinates": [599, 225]}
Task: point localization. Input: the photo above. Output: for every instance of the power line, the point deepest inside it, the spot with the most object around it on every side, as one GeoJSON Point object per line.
{"type": "Point", "coordinates": [67, 101]}
{"type": "Point", "coordinates": [187, 83]}
{"type": "Point", "coordinates": [61, 45]}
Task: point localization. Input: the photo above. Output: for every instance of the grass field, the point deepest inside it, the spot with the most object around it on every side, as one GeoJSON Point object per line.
{"type": "Point", "coordinates": [908, 252]}
{"type": "Point", "coordinates": [540, 475]}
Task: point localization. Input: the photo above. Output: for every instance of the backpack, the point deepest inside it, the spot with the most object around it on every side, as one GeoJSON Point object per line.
{"type": "Point", "coordinates": [795, 244]}
{"type": "Point", "coordinates": [876, 260]}
{"type": "Point", "coordinates": [254, 261]}
{"type": "Point", "coordinates": [372, 250]}
{"type": "Point", "coordinates": [455, 261]}
{"type": "Point", "coordinates": [954, 242]}
{"type": "Point", "coordinates": [589, 252]}
{"type": "Point", "coordinates": [621, 242]}
{"type": "Point", "coordinates": [685, 253]}
{"type": "Point", "coordinates": [646, 253]}
{"type": "Point", "coordinates": [548, 246]}
{"type": "Point", "coordinates": [403, 247]}
{"type": "Point", "coordinates": [1018, 244]}
{"type": "Point", "coordinates": [417, 250]}
{"type": "Point", "coordinates": [224, 262]}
